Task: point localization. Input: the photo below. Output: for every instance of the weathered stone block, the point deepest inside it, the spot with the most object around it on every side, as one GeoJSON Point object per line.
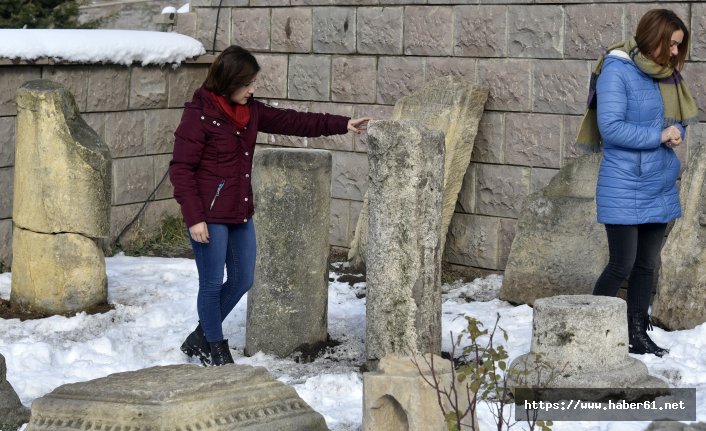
{"type": "Point", "coordinates": [148, 88]}
{"type": "Point", "coordinates": [479, 31]}
{"type": "Point", "coordinates": [57, 273]}
{"type": "Point", "coordinates": [161, 166]}
{"type": "Point", "coordinates": [216, 3]}
{"type": "Point", "coordinates": [251, 28]}
{"type": "Point", "coordinates": [559, 248]}
{"type": "Point", "coordinates": [73, 78]}
{"type": "Point", "coordinates": [350, 175]}
{"type": "Point", "coordinates": [398, 397]}
{"type": "Point", "coordinates": [472, 240]}
{"type": "Point", "coordinates": [591, 28]}
{"type": "Point", "coordinates": [427, 30]}
{"type": "Point", "coordinates": [403, 263]}
{"type": "Point", "coordinates": [7, 141]}
{"type": "Point", "coordinates": [380, 30]}
{"type": "Point", "coordinates": [490, 141]}
{"type": "Point", "coordinates": [398, 77]}
{"type": "Point", "coordinates": [206, 24]}
{"type": "Point", "coordinates": [533, 140]}
{"type": "Point", "coordinates": [177, 397]}
{"type": "Point", "coordinates": [354, 79]}
{"type": "Point", "coordinates": [12, 412]}
{"type": "Point", "coordinates": [570, 131]}
{"type": "Point", "coordinates": [681, 280]}
{"type": "Point", "coordinates": [272, 79]}
{"type": "Point", "coordinates": [61, 165]}
{"type": "Point", "coordinates": [133, 178]}
{"type": "Point", "coordinates": [7, 176]}
{"type": "Point", "coordinates": [96, 121]}
{"type": "Point", "coordinates": [108, 88]}
{"type": "Point", "coordinates": [333, 2]}
{"type": "Point", "coordinates": [6, 243]}
{"type": "Point", "coordinates": [695, 75]}
{"type": "Point", "coordinates": [463, 68]}
{"type": "Point", "coordinates": [340, 217]}
{"type": "Point", "coordinates": [541, 178]}
{"type": "Point", "coordinates": [309, 77]}
{"type": "Point", "coordinates": [535, 31]}
{"type": "Point", "coordinates": [561, 86]}
{"type": "Point", "coordinates": [501, 190]}
{"type": "Point", "coordinates": [160, 125]}
{"type": "Point", "coordinates": [334, 142]}
{"type": "Point", "coordinates": [467, 196]}
{"type": "Point", "coordinates": [507, 235]}
{"type": "Point", "coordinates": [378, 112]}
{"type": "Point", "coordinates": [355, 213]}
{"type": "Point", "coordinates": [125, 133]}
{"type": "Point", "coordinates": [291, 188]}
{"type": "Point", "coordinates": [186, 24]}
{"type": "Point", "coordinates": [12, 79]}
{"type": "Point", "coordinates": [269, 3]}
{"type": "Point", "coordinates": [183, 81]}
{"type": "Point", "coordinates": [508, 82]}
{"type": "Point", "coordinates": [291, 30]}
{"type": "Point", "coordinates": [698, 31]}
{"type": "Point", "coordinates": [334, 30]}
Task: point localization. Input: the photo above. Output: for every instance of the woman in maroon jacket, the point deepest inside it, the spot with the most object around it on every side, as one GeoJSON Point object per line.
{"type": "Point", "coordinates": [211, 171]}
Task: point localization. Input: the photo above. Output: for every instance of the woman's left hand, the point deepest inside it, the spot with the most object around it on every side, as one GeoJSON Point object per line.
{"type": "Point", "coordinates": [673, 143]}
{"type": "Point", "coordinates": [358, 125]}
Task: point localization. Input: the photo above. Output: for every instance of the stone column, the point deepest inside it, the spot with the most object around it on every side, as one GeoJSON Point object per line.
{"type": "Point", "coordinates": [404, 254]}
{"type": "Point", "coordinates": [287, 306]}
{"type": "Point", "coordinates": [61, 204]}
{"type": "Point", "coordinates": [12, 412]}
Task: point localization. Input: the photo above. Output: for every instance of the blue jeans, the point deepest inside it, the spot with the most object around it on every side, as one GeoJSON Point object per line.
{"type": "Point", "coordinates": [232, 245]}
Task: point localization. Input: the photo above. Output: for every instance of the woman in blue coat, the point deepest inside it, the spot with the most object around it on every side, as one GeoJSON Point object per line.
{"type": "Point", "coordinates": [643, 107]}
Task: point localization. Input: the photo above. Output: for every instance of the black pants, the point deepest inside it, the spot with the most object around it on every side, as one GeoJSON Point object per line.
{"type": "Point", "coordinates": [634, 250]}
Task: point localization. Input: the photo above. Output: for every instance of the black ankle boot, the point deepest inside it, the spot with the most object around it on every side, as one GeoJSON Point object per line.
{"type": "Point", "coordinates": [196, 345]}
{"type": "Point", "coordinates": [640, 342]}
{"type": "Point", "coordinates": [220, 353]}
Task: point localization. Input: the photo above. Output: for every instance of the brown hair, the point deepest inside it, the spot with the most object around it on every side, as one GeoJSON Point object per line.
{"type": "Point", "coordinates": [655, 31]}
{"type": "Point", "coordinates": [234, 68]}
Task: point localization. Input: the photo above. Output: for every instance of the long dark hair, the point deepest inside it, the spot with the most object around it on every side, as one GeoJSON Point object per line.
{"type": "Point", "coordinates": [234, 68]}
{"type": "Point", "coordinates": [655, 31]}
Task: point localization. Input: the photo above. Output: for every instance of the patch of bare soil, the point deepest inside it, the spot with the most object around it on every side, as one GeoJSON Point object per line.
{"type": "Point", "coordinates": [11, 311]}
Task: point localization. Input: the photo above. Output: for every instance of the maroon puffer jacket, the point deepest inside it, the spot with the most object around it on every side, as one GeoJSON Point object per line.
{"type": "Point", "coordinates": [212, 161]}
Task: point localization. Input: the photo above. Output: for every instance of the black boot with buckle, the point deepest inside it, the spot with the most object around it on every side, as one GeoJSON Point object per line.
{"type": "Point", "coordinates": [640, 342]}
{"type": "Point", "coordinates": [196, 345]}
{"type": "Point", "coordinates": [220, 353]}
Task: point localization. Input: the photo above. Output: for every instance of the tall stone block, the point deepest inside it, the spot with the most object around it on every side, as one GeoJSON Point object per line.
{"type": "Point", "coordinates": [12, 412]}
{"type": "Point", "coordinates": [404, 250]}
{"type": "Point", "coordinates": [559, 248]}
{"type": "Point", "coordinates": [454, 107]}
{"type": "Point", "coordinates": [287, 306]}
{"type": "Point", "coordinates": [61, 204]}
{"type": "Point", "coordinates": [177, 397]}
{"type": "Point", "coordinates": [681, 289]}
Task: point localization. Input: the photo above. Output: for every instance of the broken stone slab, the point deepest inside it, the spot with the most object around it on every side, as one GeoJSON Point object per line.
{"type": "Point", "coordinates": [679, 302]}
{"type": "Point", "coordinates": [559, 248]}
{"type": "Point", "coordinates": [676, 426]}
{"type": "Point", "coordinates": [288, 304]}
{"type": "Point", "coordinates": [581, 341]}
{"type": "Point", "coordinates": [12, 412]}
{"type": "Point", "coordinates": [396, 396]}
{"type": "Point", "coordinates": [57, 274]}
{"type": "Point", "coordinates": [62, 167]}
{"type": "Point", "coordinates": [177, 398]}
{"type": "Point", "coordinates": [403, 305]}
{"type": "Point", "coordinates": [455, 107]}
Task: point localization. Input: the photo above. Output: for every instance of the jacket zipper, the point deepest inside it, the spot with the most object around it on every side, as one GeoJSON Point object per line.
{"type": "Point", "coordinates": [218, 193]}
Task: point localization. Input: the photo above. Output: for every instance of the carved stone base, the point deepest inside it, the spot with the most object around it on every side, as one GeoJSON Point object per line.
{"type": "Point", "coordinates": [177, 398]}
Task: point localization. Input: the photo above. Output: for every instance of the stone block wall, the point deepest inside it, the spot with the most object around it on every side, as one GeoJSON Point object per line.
{"type": "Point", "coordinates": [134, 109]}
{"type": "Point", "coordinates": [360, 56]}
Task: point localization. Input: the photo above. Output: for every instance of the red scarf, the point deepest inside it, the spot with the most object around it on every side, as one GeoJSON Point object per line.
{"type": "Point", "coordinates": [238, 114]}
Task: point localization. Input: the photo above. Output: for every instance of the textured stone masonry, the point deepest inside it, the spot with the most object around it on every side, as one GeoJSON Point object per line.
{"type": "Point", "coordinates": [334, 30]}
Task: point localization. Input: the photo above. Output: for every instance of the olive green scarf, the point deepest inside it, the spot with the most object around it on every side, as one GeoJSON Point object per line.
{"type": "Point", "coordinates": [679, 105]}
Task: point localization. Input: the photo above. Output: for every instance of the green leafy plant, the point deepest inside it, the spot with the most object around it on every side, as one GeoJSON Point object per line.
{"type": "Point", "coordinates": [482, 375]}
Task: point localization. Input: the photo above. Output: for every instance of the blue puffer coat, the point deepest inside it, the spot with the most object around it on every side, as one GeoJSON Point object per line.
{"type": "Point", "coordinates": [637, 177]}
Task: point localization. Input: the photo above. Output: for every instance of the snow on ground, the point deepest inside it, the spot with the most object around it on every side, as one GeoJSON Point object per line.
{"type": "Point", "coordinates": [155, 308]}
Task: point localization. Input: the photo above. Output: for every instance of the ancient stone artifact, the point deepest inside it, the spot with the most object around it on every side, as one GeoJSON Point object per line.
{"type": "Point", "coordinates": [287, 306]}
{"type": "Point", "coordinates": [559, 248]}
{"type": "Point", "coordinates": [455, 107]}
{"type": "Point", "coordinates": [680, 302]}
{"type": "Point", "coordinates": [177, 397]}
{"type": "Point", "coordinates": [61, 206]}
{"type": "Point", "coordinates": [404, 252]}
{"type": "Point", "coordinates": [12, 412]}
{"type": "Point", "coordinates": [396, 397]}
{"type": "Point", "coordinates": [581, 341]}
